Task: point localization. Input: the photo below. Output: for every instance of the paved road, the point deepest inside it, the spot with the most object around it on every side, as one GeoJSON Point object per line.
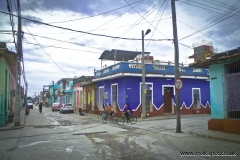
{"type": "Point", "coordinates": [51, 135]}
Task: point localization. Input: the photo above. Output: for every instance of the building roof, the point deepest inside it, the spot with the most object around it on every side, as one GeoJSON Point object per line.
{"type": "Point", "coordinates": [121, 55]}
{"type": "Point", "coordinates": [216, 58]}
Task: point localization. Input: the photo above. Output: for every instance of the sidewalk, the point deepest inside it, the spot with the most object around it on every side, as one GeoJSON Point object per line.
{"type": "Point", "coordinates": [10, 126]}
{"type": "Point", "coordinates": [200, 131]}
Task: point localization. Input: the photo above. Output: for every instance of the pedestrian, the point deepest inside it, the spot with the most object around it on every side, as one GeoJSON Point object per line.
{"type": "Point", "coordinates": [40, 107]}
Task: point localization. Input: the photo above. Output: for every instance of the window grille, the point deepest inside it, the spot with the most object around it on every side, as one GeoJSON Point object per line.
{"type": "Point", "coordinates": [148, 94]}
{"type": "Point", "coordinates": [232, 90]}
{"type": "Point", "coordinates": [101, 98]}
{"type": "Point", "coordinates": [196, 98]}
{"type": "Point", "coordinates": [114, 97]}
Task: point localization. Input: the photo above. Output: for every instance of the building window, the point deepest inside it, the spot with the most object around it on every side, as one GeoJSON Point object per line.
{"type": "Point", "coordinates": [101, 97]}
{"type": "Point", "coordinates": [231, 90]}
{"type": "Point", "coordinates": [114, 96]}
{"type": "Point", "coordinates": [148, 91]}
{"type": "Point", "coordinates": [196, 97]}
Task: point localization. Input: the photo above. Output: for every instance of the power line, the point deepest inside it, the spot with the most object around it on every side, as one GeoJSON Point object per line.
{"type": "Point", "coordinates": [101, 35]}
{"type": "Point", "coordinates": [61, 48]}
{"type": "Point", "coordinates": [207, 8]}
{"type": "Point", "coordinates": [144, 18]}
{"type": "Point", "coordinates": [210, 25]}
{"type": "Point", "coordinates": [102, 24]}
{"type": "Point", "coordinates": [218, 4]}
{"type": "Point", "coordinates": [135, 23]}
{"type": "Point", "coordinates": [157, 23]}
{"type": "Point", "coordinates": [204, 34]}
{"type": "Point", "coordinates": [48, 54]}
{"type": "Point", "coordinates": [224, 4]}
{"type": "Point", "coordinates": [59, 41]}
{"type": "Point", "coordinates": [11, 21]}
{"type": "Point", "coordinates": [97, 14]}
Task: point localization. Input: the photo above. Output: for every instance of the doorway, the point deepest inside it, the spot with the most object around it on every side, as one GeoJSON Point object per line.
{"type": "Point", "coordinates": [168, 93]}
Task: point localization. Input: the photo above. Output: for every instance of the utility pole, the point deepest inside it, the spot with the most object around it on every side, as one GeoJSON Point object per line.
{"type": "Point", "coordinates": [18, 71]}
{"type": "Point", "coordinates": [176, 68]}
{"type": "Point", "coordinates": [143, 81]}
{"type": "Point", "coordinates": [25, 98]}
{"type": "Point", "coordinates": [143, 94]}
{"type": "Point", "coordinates": [53, 92]}
{"type": "Point", "coordinates": [35, 97]}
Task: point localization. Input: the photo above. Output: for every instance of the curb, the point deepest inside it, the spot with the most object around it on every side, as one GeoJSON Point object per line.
{"type": "Point", "coordinates": [12, 128]}
{"type": "Point", "coordinates": [214, 137]}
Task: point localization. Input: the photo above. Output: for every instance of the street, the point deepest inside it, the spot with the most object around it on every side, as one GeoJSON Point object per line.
{"type": "Point", "coordinates": [51, 135]}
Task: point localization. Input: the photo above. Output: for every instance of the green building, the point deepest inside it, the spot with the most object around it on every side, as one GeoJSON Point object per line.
{"type": "Point", "coordinates": [7, 83]}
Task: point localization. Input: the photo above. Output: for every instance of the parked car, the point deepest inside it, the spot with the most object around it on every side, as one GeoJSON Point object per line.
{"type": "Point", "coordinates": [56, 106]}
{"type": "Point", "coordinates": [66, 108]}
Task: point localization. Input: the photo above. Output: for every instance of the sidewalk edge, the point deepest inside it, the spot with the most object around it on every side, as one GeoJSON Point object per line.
{"type": "Point", "coordinates": [213, 137]}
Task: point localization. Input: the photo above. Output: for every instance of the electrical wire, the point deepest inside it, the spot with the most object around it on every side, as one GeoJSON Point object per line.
{"type": "Point", "coordinates": [90, 30]}
{"type": "Point", "coordinates": [96, 14]}
{"type": "Point", "coordinates": [48, 54]}
{"type": "Point", "coordinates": [100, 25]}
{"type": "Point", "coordinates": [61, 48]}
{"type": "Point", "coordinates": [101, 35]}
{"type": "Point", "coordinates": [207, 8]}
{"type": "Point", "coordinates": [145, 19]}
{"type": "Point", "coordinates": [210, 25]}
{"type": "Point", "coordinates": [205, 34]}
{"type": "Point", "coordinates": [135, 23]}
{"type": "Point", "coordinates": [11, 22]}
{"type": "Point", "coordinates": [218, 4]}
{"type": "Point", "coordinates": [157, 23]}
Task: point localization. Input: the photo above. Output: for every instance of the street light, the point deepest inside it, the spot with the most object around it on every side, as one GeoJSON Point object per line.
{"type": "Point", "coordinates": [143, 116]}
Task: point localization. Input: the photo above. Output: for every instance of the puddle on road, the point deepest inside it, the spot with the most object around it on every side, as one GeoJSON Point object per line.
{"type": "Point", "coordinates": [57, 120]}
{"type": "Point", "coordinates": [124, 146]}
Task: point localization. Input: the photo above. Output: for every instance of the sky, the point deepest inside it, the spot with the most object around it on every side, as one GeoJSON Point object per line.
{"type": "Point", "coordinates": [51, 53]}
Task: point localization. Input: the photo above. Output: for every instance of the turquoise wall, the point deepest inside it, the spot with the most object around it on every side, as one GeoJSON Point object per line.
{"type": "Point", "coordinates": [216, 91]}
{"type": "Point", "coordinates": [4, 92]}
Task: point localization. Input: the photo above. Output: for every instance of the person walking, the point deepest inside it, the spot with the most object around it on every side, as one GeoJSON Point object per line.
{"type": "Point", "coordinates": [40, 107]}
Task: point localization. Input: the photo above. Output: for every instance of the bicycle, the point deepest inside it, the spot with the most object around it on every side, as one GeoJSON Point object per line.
{"type": "Point", "coordinates": [131, 118]}
{"type": "Point", "coordinates": [105, 118]}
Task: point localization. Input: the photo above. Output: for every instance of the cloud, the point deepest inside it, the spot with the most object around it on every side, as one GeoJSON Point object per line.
{"type": "Point", "coordinates": [85, 7]}
{"type": "Point", "coordinates": [27, 22]}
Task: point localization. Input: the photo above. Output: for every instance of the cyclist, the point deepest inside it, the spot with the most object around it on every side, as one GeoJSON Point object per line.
{"type": "Point", "coordinates": [127, 111]}
{"type": "Point", "coordinates": [105, 110]}
{"type": "Point", "coordinates": [110, 112]}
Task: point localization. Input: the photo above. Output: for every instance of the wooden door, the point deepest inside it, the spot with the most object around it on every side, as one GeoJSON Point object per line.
{"type": "Point", "coordinates": [167, 100]}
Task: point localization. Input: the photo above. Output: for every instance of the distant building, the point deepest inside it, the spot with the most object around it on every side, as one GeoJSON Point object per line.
{"type": "Point", "coordinates": [80, 99]}
{"type": "Point", "coordinates": [64, 91]}
{"type": "Point", "coordinates": [202, 50]}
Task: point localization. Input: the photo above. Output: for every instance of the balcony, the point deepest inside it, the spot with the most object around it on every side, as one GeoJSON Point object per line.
{"type": "Point", "coordinates": [151, 69]}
